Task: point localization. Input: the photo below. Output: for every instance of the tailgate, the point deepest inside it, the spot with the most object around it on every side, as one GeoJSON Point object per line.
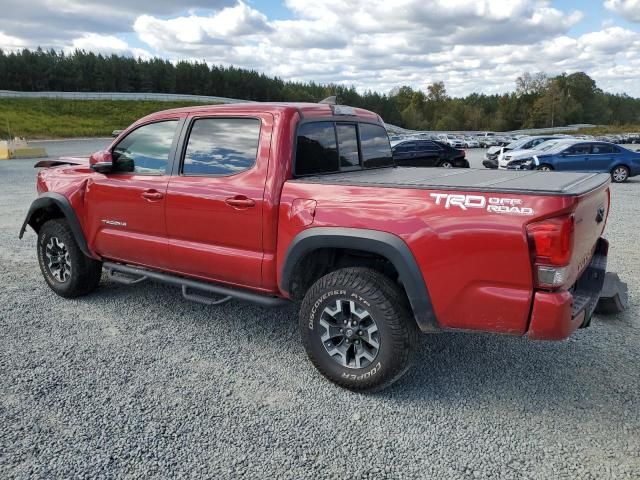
{"type": "Point", "coordinates": [590, 216]}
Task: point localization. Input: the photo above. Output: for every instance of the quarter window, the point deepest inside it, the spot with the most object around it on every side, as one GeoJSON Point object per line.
{"type": "Point", "coordinates": [221, 146]}
{"type": "Point", "coordinates": [145, 151]}
{"type": "Point", "coordinates": [374, 143]}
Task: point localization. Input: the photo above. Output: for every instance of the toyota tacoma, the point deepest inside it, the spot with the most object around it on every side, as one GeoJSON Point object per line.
{"type": "Point", "coordinates": [278, 203]}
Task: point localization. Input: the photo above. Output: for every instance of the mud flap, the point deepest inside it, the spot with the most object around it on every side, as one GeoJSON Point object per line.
{"type": "Point", "coordinates": [614, 297]}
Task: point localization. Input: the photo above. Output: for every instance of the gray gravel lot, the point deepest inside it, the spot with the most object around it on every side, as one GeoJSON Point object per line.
{"type": "Point", "coordinates": [135, 382]}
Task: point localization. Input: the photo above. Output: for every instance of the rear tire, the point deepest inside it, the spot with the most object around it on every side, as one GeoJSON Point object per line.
{"type": "Point", "coordinates": [357, 330]}
{"type": "Point", "coordinates": [620, 174]}
{"type": "Point", "coordinates": [446, 164]}
{"type": "Point", "coordinates": [68, 271]}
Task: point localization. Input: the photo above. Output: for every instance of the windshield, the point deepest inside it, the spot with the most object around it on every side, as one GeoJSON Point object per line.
{"type": "Point", "coordinates": [517, 144]}
{"type": "Point", "coordinates": [555, 145]}
{"type": "Point", "coordinates": [544, 146]}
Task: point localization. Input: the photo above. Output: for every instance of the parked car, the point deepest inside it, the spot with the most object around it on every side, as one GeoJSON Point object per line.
{"type": "Point", "coordinates": [492, 156]}
{"type": "Point", "coordinates": [428, 153]}
{"type": "Point", "coordinates": [579, 156]}
{"type": "Point", "coordinates": [509, 157]}
{"type": "Point", "coordinates": [486, 139]}
{"type": "Point", "coordinates": [470, 142]}
{"type": "Point", "coordinates": [272, 203]}
{"type": "Point", "coordinates": [451, 140]}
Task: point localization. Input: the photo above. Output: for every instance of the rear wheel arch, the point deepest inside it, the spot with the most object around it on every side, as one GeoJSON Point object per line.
{"type": "Point", "coordinates": [51, 205]}
{"type": "Point", "coordinates": [306, 261]}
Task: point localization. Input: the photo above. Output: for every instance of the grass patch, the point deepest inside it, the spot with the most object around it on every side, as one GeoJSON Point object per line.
{"type": "Point", "coordinates": [607, 130]}
{"type": "Point", "coordinates": [57, 118]}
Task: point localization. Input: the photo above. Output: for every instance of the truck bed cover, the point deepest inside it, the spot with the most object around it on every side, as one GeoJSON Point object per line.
{"type": "Point", "coordinates": [463, 179]}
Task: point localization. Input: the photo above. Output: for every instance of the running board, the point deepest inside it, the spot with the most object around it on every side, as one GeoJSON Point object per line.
{"type": "Point", "coordinates": [141, 274]}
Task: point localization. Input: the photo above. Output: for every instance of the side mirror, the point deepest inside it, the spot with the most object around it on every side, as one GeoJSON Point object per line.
{"type": "Point", "coordinates": [101, 162]}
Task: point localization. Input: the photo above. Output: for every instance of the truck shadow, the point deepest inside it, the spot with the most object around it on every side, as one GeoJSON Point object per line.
{"type": "Point", "coordinates": [589, 371]}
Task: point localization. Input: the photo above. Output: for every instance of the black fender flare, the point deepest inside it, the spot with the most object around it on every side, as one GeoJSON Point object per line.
{"type": "Point", "coordinates": [49, 199]}
{"type": "Point", "coordinates": [385, 244]}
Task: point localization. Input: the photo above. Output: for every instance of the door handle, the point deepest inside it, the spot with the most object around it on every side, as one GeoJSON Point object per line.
{"type": "Point", "coordinates": [152, 195]}
{"type": "Point", "coordinates": [240, 201]}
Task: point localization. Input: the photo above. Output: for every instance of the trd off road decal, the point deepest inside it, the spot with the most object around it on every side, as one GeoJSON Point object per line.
{"type": "Point", "coordinates": [501, 205]}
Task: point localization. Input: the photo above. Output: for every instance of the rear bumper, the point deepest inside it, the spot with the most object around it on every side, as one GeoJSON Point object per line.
{"type": "Point", "coordinates": [556, 315]}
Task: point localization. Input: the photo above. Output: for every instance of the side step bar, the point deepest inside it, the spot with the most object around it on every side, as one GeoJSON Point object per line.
{"type": "Point", "coordinates": [186, 283]}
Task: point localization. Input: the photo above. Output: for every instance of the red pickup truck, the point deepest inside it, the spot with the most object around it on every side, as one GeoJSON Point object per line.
{"type": "Point", "coordinates": [273, 203]}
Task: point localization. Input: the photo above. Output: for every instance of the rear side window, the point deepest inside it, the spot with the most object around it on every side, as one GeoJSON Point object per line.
{"type": "Point", "coordinates": [406, 147]}
{"type": "Point", "coordinates": [317, 150]}
{"type": "Point", "coordinates": [374, 143]}
{"type": "Point", "coordinates": [603, 148]}
{"type": "Point", "coordinates": [145, 151]}
{"type": "Point", "coordinates": [327, 147]}
{"type": "Point", "coordinates": [428, 146]}
{"type": "Point", "coordinates": [221, 146]}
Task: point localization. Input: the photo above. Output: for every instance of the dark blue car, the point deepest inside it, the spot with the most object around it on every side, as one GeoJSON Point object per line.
{"type": "Point", "coordinates": [581, 156]}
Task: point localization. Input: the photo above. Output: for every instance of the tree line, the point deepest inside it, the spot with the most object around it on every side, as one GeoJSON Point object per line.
{"type": "Point", "coordinates": [537, 100]}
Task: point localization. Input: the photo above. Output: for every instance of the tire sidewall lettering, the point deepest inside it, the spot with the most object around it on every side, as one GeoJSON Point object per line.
{"type": "Point", "coordinates": [362, 376]}
{"type": "Point", "coordinates": [320, 301]}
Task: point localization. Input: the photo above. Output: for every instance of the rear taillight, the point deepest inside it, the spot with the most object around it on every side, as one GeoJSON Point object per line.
{"type": "Point", "coordinates": [551, 243]}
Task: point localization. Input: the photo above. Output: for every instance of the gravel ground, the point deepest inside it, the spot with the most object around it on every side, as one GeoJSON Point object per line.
{"type": "Point", "coordinates": [135, 382]}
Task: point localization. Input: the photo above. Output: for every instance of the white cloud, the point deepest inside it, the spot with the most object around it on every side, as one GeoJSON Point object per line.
{"type": "Point", "coordinates": [194, 33]}
{"type": "Point", "coordinates": [472, 45]}
{"type": "Point", "coordinates": [107, 45]}
{"type": "Point", "coordinates": [376, 44]}
{"type": "Point", "coordinates": [99, 43]}
{"type": "Point", "coordinates": [9, 42]}
{"type": "Point", "coordinates": [629, 9]}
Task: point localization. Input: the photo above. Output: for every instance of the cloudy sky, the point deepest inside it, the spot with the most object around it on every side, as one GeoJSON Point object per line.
{"type": "Point", "coordinates": [472, 45]}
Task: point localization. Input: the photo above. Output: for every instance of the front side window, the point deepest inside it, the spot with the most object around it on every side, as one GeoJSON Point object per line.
{"type": "Point", "coordinates": [145, 150]}
{"type": "Point", "coordinates": [221, 146]}
{"type": "Point", "coordinates": [374, 143]}
{"type": "Point", "coordinates": [317, 151]}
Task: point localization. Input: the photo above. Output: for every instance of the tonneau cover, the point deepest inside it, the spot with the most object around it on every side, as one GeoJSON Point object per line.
{"type": "Point", "coordinates": [467, 179]}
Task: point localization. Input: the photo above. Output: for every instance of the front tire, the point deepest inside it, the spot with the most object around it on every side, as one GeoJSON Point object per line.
{"type": "Point", "coordinates": [446, 164]}
{"type": "Point", "coordinates": [545, 168]}
{"type": "Point", "coordinates": [68, 271]}
{"type": "Point", "coordinates": [620, 174]}
{"type": "Point", "coordinates": [357, 330]}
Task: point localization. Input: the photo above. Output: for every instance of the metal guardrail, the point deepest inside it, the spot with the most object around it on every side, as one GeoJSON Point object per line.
{"type": "Point", "coordinates": [393, 129]}
{"type": "Point", "coordinates": [161, 97]}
